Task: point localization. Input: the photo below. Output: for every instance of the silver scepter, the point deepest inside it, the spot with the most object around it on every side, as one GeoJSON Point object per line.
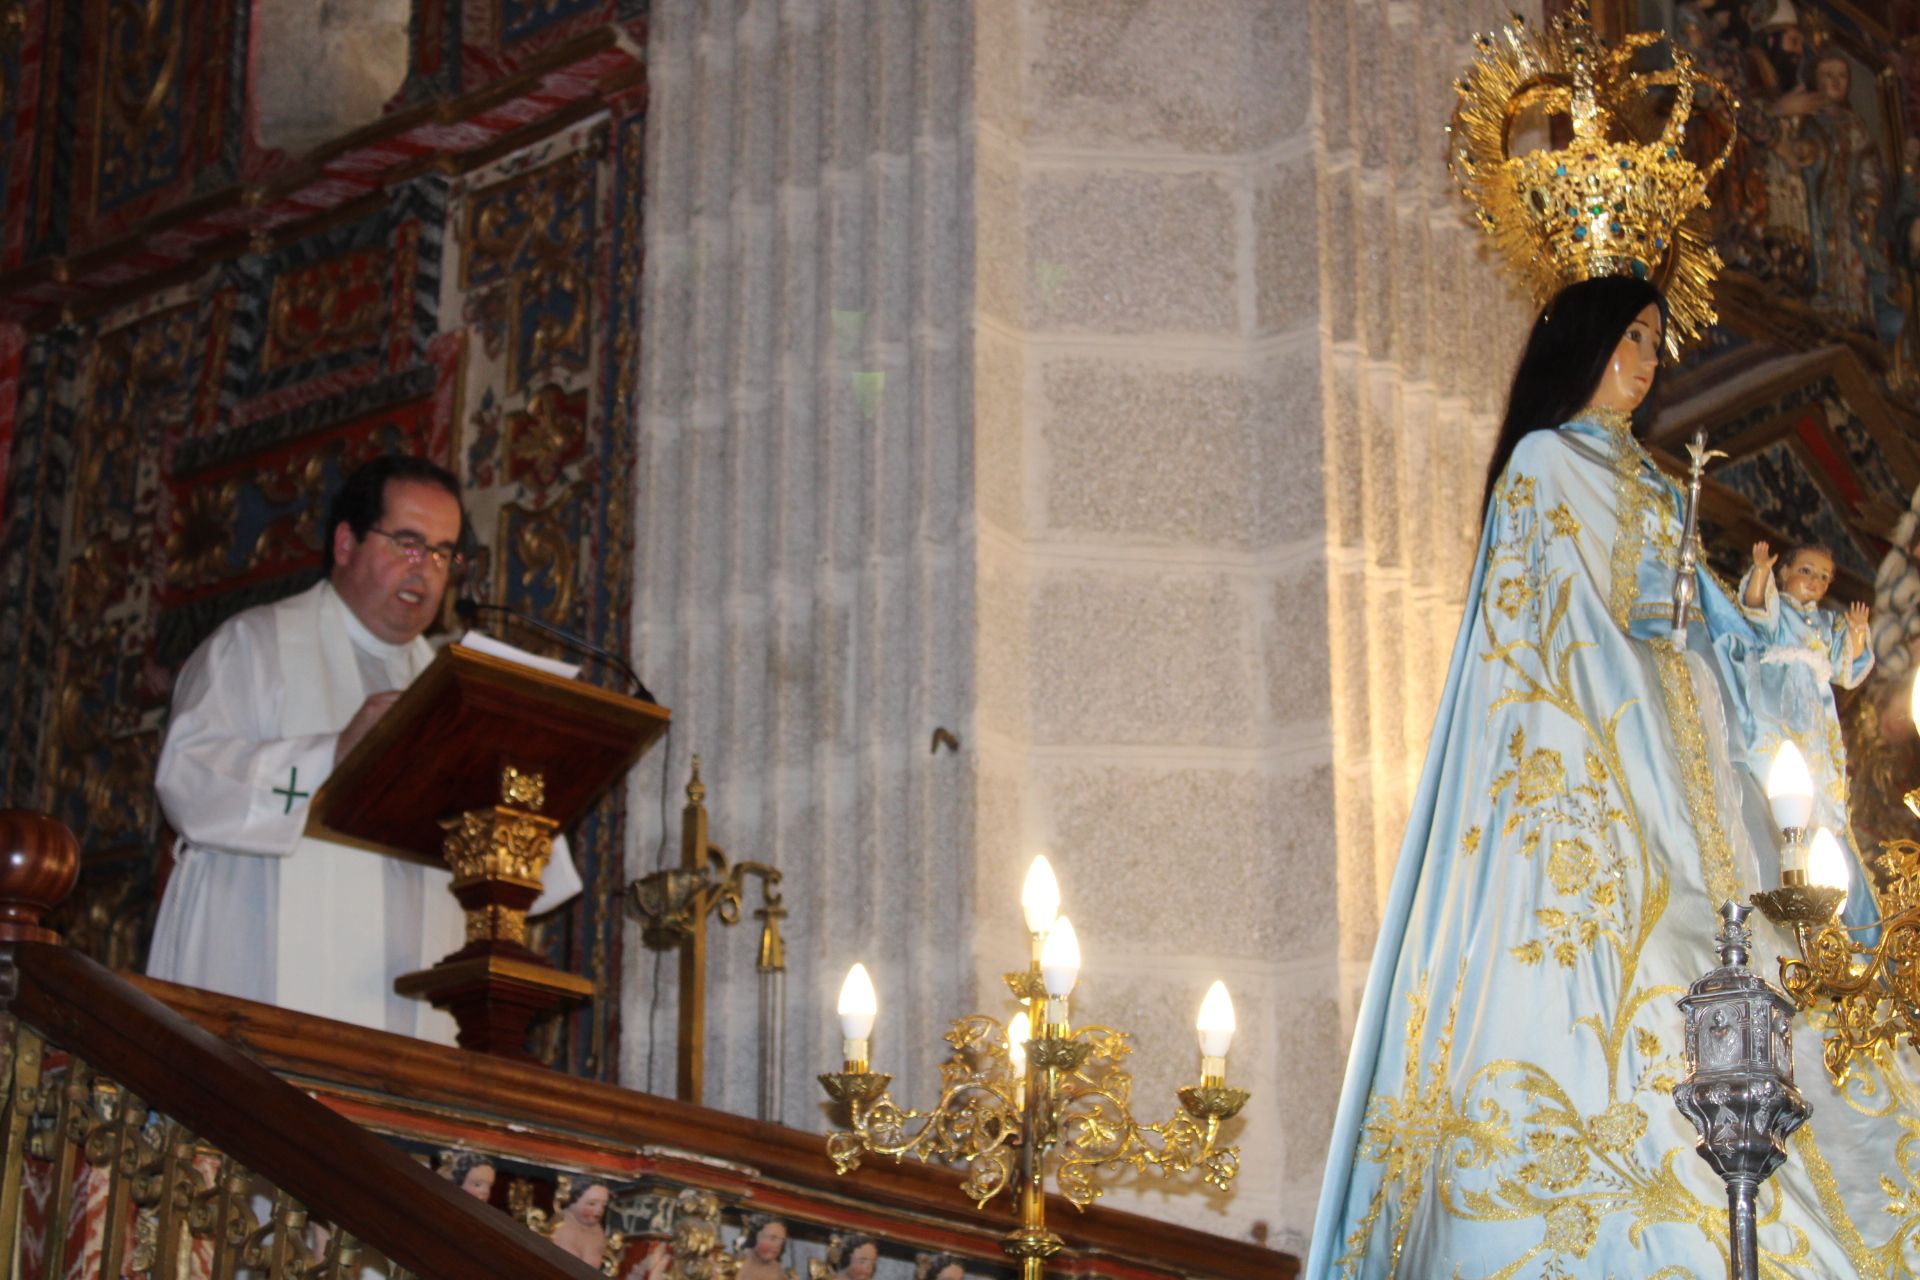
{"type": "Point", "coordinates": [1683, 585]}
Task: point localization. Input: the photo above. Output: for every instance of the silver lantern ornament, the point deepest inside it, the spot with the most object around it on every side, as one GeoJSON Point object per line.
{"type": "Point", "coordinates": [1739, 1091]}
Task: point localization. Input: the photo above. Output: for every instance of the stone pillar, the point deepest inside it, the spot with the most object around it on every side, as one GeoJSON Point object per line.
{"type": "Point", "coordinates": [1236, 363]}
{"type": "Point", "coordinates": [804, 588]}
{"type": "Point", "coordinates": [1110, 384]}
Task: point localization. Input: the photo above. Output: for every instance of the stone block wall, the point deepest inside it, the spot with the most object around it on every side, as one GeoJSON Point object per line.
{"type": "Point", "coordinates": [1238, 366]}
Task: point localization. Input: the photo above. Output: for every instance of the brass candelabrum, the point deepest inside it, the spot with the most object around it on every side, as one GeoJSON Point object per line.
{"type": "Point", "coordinates": [673, 905]}
{"type": "Point", "coordinates": [1035, 1093]}
{"type": "Point", "coordinates": [1871, 989]}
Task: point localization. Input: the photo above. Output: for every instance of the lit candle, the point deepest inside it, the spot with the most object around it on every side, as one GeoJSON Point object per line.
{"type": "Point", "coordinates": [1215, 1025]}
{"type": "Point", "coordinates": [858, 1007]}
{"type": "Point", "coordinates": [1019, 1031]}
{"type": "Point", "coordinates": [1040, 901]}
{"type": "Point", "coordinates": [1059, 969]}
{"type": "Point", "coordinates": [1790, 788]}
{"type": "Point", "coordinates": [1827, 864]}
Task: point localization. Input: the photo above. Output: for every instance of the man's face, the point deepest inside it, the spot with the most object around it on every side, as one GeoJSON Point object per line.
{"type": "Point", "coordinates": [1807, 576]}
{"type": "Point", "coordinates": [393, 597]}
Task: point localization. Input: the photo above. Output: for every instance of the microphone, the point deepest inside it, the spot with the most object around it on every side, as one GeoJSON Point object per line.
{"type": "Point", "coordinates": [469, 609]}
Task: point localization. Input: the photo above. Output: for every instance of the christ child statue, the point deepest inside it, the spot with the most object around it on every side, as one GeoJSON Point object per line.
{"type": "Point", "coordinates": [1805, 649]}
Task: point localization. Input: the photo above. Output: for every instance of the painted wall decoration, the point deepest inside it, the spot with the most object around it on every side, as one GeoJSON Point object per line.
{"type": "Point", "coordinates": [1817, 213]}
{"type": "Point", "coordinates": [244, 328]}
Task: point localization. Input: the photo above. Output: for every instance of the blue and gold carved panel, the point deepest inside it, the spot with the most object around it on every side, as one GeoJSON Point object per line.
{"type": "Point", "coordinates": [527, 261]}
{"type": "Point", "coordinates": [539, 557]}
{"type": "Point", "coordinates": [140, 123]}
{"type": "Point", "coordinates": [519, 21]}
{"type": "Point", "coordinates": [250, 527]}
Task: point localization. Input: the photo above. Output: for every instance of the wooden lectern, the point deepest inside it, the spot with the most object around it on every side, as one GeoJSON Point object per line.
{"type": "Point", "coordinates": [475, 767]}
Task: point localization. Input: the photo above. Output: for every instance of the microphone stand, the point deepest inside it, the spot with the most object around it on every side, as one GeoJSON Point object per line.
{"type": "Point", "coordinates": [469, 609]}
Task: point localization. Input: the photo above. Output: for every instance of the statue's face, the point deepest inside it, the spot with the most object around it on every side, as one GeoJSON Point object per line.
{"type": "Point", "coordinates": [860, 1265]}
{"type": "Point", "coordinates": [770, 1242]}
{"type": "Point", "coordinates": [587, 1207]}
{"type": "Point", "coordinates": [1834, 78]}
{"type": "Point", "coordinates": [1629, 372]}
{"type": "Point", "coordinates": [479, 1182]}
{"type": "Point", "coordinates": [1807, 577]}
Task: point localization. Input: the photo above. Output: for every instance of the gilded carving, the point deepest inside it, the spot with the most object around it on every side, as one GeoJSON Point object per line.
{"type": "Point", "coordinates": [496, 922]}
{"type": "Point", "coordinates": [523, 790]}
{"type": "Point", "coordinates": [200, 541]}
{"type": "Point", "coordinates": [330, 307]}
{"type": "Point", "coordinates": [136, 140]}
{"type": "Point", "coordinates": [497, 844]}
{"type": "Point", "coordinates": [545, 436]}
{"type": "Point", "coordinates": [533, 234]}
{"type": "Point", "coordinates": [543, 552]}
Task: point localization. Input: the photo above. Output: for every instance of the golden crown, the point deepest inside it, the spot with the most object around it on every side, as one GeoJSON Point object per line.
{"type": "Point", "coordinates": [1607, 202]}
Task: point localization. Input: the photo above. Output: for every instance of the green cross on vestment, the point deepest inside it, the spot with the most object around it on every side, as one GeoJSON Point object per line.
{"type": "Point", "coordinates": [293, 780]}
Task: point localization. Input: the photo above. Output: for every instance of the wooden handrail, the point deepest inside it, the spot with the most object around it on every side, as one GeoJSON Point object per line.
{"type": "Point", "coordinates": [338, 1170]}
{"type": "Point", "coordinates": [334, 1168]}
{"type": "Point", "coordinates": [350, 1064]}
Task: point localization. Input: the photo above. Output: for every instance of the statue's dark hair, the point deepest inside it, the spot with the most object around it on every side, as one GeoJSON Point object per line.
{"type": "Point", "coordinates": [362, 500]}
{"type": "Point", "coordinates": [1573, 338]}
{"type": "Point", "coordinates": [755, 1223]}
{"type": "Point", "coordinates": [846, 1246]}
{"type": "Point", "coordinates": [931, 1265]}
{"type": "Point", "coordinates": [1788, 556]}
{"type": "Point", "coordinates": [462, 1163]}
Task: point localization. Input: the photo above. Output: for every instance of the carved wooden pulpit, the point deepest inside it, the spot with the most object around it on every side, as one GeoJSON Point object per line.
{"type": "Point", "coordinates": [476, 767]}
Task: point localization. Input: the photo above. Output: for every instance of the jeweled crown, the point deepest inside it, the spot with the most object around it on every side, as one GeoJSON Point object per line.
{"type": "Point", "coordinates": [1621, 196]}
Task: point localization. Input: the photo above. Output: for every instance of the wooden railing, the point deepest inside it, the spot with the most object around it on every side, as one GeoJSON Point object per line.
{"type": "Point", "coordinates": [131, 1133]}
{"type": "Point", "coordinates": [219, 1132]}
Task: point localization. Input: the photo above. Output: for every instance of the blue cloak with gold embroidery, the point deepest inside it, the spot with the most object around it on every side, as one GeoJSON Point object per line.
{"type": "Point", "coordinates": [1507, 1109]}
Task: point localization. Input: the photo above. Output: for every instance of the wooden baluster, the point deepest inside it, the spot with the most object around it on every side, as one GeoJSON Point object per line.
{"type": "Point", "coordinates": [73, 1108]}
{"type": "Point", "coordinates": [232, 1219]}
{"type": "Point", "coordinates": [177, 1181]}
{"type": "Point", "coordinates": [117, 1138]}
{"type": "Point", "coordinates": [21, 1102]}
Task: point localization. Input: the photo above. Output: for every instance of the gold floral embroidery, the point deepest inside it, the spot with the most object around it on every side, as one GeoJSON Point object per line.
{"type": "Point", "coordinates": [1561, 520]}
{"type": "Point", "coordinates": [1696, 775]}
{"type": "Point", "coordinates": [1407, 1133]}
{"type": "Point", "coordinates": [1565, 1161]}
{"type": "Point", "coordinates": [1807, 1147]}
{"type": "Point", "coordinates": [1630, 509]}
{"type": "Point", "coordinates": [1515, 594]}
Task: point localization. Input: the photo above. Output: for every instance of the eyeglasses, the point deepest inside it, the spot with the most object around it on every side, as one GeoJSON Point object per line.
{"type": "Point", "coordinates": [415, 549]}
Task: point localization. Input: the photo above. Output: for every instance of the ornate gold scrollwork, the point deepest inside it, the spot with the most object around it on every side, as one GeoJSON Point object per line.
{"type": "Point", "coordinates": [508, 844]}
{"type": "Point", "coordinates": [336, 305]}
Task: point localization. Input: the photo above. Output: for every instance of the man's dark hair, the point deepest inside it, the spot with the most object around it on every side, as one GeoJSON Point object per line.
{"type": "Point", "coordinates": [1567, 353]}
{"type": "Point", "coordinates": [362, 500]}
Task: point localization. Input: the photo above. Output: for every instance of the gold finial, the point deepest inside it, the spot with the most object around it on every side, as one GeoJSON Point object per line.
{"type": "Point", "coordinates": [1621, 197]}
{"type": "Point", "coordinates": [696, 789]}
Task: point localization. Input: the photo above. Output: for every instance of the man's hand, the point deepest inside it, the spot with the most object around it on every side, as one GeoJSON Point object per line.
{"type": "Point", "coordinates": [363, 719]}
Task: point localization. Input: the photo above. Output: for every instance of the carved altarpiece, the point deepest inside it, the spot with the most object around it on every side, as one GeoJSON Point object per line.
{"type": "Point", "coordinates": [198, 335]}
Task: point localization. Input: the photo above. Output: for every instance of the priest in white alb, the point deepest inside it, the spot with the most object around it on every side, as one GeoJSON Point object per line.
{"type": "Point", "coordinates": [262, 712]}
